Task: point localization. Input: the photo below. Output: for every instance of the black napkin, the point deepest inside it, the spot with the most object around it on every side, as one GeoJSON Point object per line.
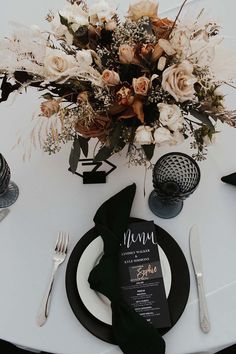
{"type": "Point", "coordinates": [230, 179]}
{"type": "Point", "coordinates": [132, 333]}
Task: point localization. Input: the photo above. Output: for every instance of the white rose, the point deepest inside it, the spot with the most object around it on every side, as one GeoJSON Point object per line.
{"type": "Point", "coordinates": [143, 135]}
{"type": "Point", "coordinates": [100, 12]}
{"type": "Point", "coordinates": [180, 42]}
{"type": "Point", "coordinates": [57, 64]}
{"type": "Point", "coordinates": [177, 138]}
{"type": "Point", "coordinates": [60, 31]}
{"type": "Point", "coordinates": [162, 136]}
{"type": "Point", "coordinates": [179, 81]}
{"type": "Point", "coordinates": [75, 15]}
{"type": "Point", "coordinates": [84, 57]}
{"type": "Point", "coordinates": [143, 8]}
{"type": "Point", "coordinates": [171, 116]}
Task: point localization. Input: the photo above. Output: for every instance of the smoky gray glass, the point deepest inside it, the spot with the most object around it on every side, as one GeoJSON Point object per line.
{"type": "Point", "coordinates": [9, 191]}
{"type": "Point", "coordinates": [175, 177]}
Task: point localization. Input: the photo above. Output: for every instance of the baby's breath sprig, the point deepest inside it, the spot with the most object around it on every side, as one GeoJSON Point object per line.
{"type": "Point", "coordinates": [133, 33]}
{"type": "Point", "coordinates": [104, 97]}
{"type": "Point", "coordinates": [137, 157]}
{"type": "Point", "coordinates": [63, 132]}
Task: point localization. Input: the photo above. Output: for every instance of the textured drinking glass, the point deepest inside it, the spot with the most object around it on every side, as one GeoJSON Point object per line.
{"type": "Point", "coordinates": [8, 190]}
{"type": "Point", "coordinates": [175, 177]}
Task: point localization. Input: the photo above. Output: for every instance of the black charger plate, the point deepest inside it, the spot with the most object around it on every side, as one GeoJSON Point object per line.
{"type": "Point", "coordinates": [177, 299]}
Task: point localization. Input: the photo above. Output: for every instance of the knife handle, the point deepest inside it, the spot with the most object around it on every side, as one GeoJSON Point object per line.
{"type": "Point", "coordinates": [203, 312]}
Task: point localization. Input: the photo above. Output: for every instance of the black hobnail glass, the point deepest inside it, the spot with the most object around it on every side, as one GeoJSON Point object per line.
{"type": "Point", "coordinates": [175, 177]}
{"type": "Point", "coordinates": [9, 191]}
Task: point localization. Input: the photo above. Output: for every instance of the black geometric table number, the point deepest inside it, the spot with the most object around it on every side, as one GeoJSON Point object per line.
{"type": "Point", "coordinates": [94, 176]}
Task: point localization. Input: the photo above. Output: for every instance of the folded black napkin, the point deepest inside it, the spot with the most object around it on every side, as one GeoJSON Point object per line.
{"type": "Point", "coordinates": [132, 333]}
{"type": "Point", "coordinates": [231, 179]}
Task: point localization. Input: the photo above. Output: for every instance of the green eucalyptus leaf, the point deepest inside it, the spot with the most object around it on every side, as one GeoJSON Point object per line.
{"type": "Point", "coordinates": [74, 155]}
{"type": "Point", "coordinates": [64, 20]}
{"type": "Point", "coordinates": [115, 137]}
{"type": "Point", "coordinates": [47, 96]}
{"type": "Point", "coordinates": [203, 117]}
{"type": "Point", "coordinates": [148, 150]}
{"type": "Point", "coordinates": [103, 154]}
{"type": "Point", "coordinates": [84, 144]}
{"type": "Point", "coordinates": [116, 141]}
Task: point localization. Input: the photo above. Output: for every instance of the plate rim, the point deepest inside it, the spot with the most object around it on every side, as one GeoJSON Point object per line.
{"type": "Point", "coordinates": [175, 258]}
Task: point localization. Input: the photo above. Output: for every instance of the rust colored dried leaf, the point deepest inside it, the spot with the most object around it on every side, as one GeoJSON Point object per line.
{"type": "Point", "coordinates": [157, 53]}
{"type": "Point", "coordinates": [138, 109]}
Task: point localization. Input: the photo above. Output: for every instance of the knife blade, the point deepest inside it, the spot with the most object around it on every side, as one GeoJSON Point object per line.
{"type": "Point", "coordinates": [195, 251]}
{"type": "Point", "coordinates": [3, 214]}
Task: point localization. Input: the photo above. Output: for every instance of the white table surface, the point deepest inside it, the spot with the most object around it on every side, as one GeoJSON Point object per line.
{"type": "Point", "coordinates": [51, 199]}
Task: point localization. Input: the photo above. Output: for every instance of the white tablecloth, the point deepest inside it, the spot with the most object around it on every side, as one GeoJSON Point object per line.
{"type": "Point", "coordinates": [51, 199]}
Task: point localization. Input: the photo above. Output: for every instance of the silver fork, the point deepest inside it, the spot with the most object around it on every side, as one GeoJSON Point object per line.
{"type": "Point", "coordinates": [58, 257]}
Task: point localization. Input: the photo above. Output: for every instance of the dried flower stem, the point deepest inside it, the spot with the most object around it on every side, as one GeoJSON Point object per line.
{"type": "Point", "coordinates": [176, 19]}
{"type": "Point", "coordinates": [227, 83]}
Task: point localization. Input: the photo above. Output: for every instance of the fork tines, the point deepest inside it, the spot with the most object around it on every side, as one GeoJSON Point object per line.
{"type": "Point", "coordinates": [62, 242]}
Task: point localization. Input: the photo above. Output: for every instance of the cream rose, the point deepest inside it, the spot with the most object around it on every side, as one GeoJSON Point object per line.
{"type": "Point", "coordinates": [57, 64]}
{"type": "Point", "coordinates": [110, 77]}
{"type": "Point", "coordinates": [50, 107]}
{"type": "Point", "coordinates": [143, 135]}
{"type": "Point", "coordinates": [177, 138]}
{"type": "Point", "coordinates": [180, 42]}
{"type": "Point", "coordinates": [84, 57]}
{"type": "Point", "coordinates": [126, 54]}
{"type": "Point", "coordinates": [61, 31]}
{"type": "Point", "coordinates": [141, 85]}
{"type": "Point", "coordinates": [100, 12]}
{"type": "Point", "coordinates": [179, 81]}
{"type": "Point", "coordinates": [171, 116]}
{"type": "Point", "coordinates": [162, 136]}
{"type": "Point", "coordinates": [143, 8]}
{"type": "Point", "coordinates": [75, 15]}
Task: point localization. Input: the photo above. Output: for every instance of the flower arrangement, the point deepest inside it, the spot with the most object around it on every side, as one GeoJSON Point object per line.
{"type": "Point", "coordinates": [144, 82]}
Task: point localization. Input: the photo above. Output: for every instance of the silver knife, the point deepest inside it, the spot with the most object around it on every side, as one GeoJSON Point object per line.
{"type": "Point", "coordinates": [4, 213]}
{"type": "Point", "coordinates": [195, 250]}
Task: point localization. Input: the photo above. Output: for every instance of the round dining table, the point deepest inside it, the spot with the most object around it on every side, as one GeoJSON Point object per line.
{"type": "Point", "coordinates": [52, 199]}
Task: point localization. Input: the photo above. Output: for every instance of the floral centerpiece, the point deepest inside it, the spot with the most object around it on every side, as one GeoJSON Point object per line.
{"type": "Point", "coordinates": [144, 81]}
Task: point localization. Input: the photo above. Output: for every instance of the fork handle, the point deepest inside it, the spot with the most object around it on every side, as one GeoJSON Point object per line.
{"type": "Point", "coordinates": [44, 308]}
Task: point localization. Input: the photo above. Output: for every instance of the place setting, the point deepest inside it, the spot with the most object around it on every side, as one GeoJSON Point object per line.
{"type": "Point", "coordinates": [127, 275]}
{"type": "Point", "coordinates": [157, 251]}
{"type": "Point", "coordinates": [150, 269]}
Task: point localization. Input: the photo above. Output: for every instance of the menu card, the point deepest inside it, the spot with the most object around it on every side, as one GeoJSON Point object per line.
{"type": "Point", "coordinates": [141, 278]}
